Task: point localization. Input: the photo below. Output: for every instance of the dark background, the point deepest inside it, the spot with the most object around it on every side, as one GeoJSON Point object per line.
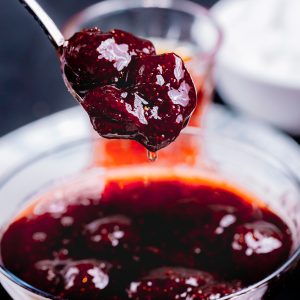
{"type": "Point", "coordinates": [31, 86]}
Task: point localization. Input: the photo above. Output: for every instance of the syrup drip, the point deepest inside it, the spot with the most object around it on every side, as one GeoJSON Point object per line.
{"type": "Point", "coordinates": [152, 156]}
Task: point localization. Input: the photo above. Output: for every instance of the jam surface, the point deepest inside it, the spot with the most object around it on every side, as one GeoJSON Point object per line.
{"type": "Point", "coordinates": [127, 89]}
{"type": "Point", "coordinates": [131, 238]}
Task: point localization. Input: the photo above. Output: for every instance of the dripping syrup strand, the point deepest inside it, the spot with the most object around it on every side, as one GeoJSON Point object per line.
{"type": "Point", "coordinates": [152, 156]}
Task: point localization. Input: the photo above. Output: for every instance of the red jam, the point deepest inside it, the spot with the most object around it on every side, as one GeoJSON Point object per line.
{"type": "Point", "coordinates": [128, 90]}
{"type": "Point", "coordinates": [125, 237]}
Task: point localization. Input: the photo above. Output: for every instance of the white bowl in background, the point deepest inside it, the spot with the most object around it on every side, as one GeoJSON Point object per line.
{"type": "Point", "coordinates": [264, 96]}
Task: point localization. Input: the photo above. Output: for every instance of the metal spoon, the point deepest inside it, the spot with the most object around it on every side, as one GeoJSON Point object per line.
{"type": "Point", "coordinates": [53, 33]}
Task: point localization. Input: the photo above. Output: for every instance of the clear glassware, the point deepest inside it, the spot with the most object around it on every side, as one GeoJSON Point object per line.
{"type": "Point", "coordinates": [213, 156]}
{"type": "Point", "coordinates": [178, 26]}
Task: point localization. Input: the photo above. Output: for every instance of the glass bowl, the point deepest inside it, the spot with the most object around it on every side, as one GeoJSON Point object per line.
{"type": "Point", "coordinates": [193, 152]}
{"type": "Point", "coordinates": [179, 26]}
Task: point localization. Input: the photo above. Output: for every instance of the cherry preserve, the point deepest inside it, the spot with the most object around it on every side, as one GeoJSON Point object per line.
{"type": "Point", "coordinates": [128, 91]}
{"type": "Point", "coordinates": [127, 237]}
{"type": "Point", "coordinates": [124, 235]}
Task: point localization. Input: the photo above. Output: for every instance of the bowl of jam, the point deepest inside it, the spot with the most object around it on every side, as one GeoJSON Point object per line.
{"type": "Point", "coordinates": [210, 218]}
{"type": "Point", "coordinates": [216, 219]}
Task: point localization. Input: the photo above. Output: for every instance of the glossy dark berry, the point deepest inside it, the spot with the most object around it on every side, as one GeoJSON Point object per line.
{"type": "Point", "coordinates": [95, 58]}
{"type": "Point", "coordinates": [169, 283]}
{"type": "Point", "coordinates": [260, 244]}
{"type": "Point", "coordinates": [154, 107]}
{"type": "Point", "coordinates": [108, 112]}
{"type": "Point", "coordinates": [86, 279]}
{"type": "Point", "coordinates": [203, 225]}
{"type": "Point", "coordinates": [35, 238]}
{"type": "Point", "coordinates": [164, 70]}
{"type": "Point", "coordinates": [111, 236]}
{"type": "Point", "coordinates": [128, 91]}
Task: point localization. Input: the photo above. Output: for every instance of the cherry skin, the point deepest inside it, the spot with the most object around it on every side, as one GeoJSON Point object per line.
{"type": "Point", "coordinates": [111, 236]}
{"type": "Point", "coordinates": [107, 110]}
{"type": "Point", "coordinates": [154, 107]}
{"type": "Point", "coordinates": [35, 237]}
{"type": "Point", "coordinates": [87, 279]}
{"type": "Point", "coordinates": [128, 91]}
{"type": "Point", "coordinates": [95, 58]}
{"type": "Point", "coordinates": [164, 81]}
{"type": "Point", "coordinates": [260, 244]}
{"type": "Point", "coordinates": [169, 283]}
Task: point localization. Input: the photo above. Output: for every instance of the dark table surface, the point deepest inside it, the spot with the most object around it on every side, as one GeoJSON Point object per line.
{"type": "Point", "coordinates": [31, 86]}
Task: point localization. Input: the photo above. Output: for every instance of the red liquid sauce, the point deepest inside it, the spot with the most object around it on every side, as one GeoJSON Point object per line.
{"type": "Point", "coordinates": [127, 237]}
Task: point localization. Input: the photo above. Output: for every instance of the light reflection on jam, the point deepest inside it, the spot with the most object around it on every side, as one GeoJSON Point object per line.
{"type": "Point", "coordinates": [128, 91]}
{"type": "Point", "coordinates": [124, 237]}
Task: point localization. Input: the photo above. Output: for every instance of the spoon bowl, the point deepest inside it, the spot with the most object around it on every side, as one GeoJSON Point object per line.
{"type": "Point", "coordinates": [70, 89]}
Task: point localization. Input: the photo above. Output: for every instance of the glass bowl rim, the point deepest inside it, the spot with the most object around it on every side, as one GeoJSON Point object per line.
{"type": "Point", "coordinates": [189, 131]}
{"type": "Point", "coordinates": [113, 6]}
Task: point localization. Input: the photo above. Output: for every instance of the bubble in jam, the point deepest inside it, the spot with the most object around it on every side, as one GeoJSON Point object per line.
{"type": "Point", "coordinates": [128, 91]}
{"type": "Point", "coordinates": [123, 237]}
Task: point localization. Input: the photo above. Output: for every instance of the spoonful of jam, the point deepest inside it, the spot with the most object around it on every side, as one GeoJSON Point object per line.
{"type": "Point", "coordinates": [128, 91]}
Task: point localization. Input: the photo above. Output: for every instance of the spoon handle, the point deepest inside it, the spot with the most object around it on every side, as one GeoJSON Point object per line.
{"type": "Point", "coordinates": [45, 22]}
